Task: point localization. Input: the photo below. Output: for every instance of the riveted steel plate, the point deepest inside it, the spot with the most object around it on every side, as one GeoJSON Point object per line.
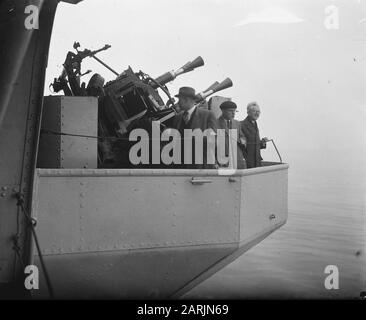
{"type": "Point", "coordinates": [81, 213]}
{"type": "Point", "coordinates": [63, 114]}
{"type": "Point", "coordinates": [263, 201]}
{"type": "Point", "coordinates": [149, 233]}
{"type": "Point", "coordinates": [23, 64]}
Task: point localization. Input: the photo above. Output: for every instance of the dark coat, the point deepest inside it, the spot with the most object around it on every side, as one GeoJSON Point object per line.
{"type": "Point", "coordinates": [200, 119]}
{"type": "Point", "coordinates": [240, 140]}
{"type": "Point", "coordinates": [252, 153]}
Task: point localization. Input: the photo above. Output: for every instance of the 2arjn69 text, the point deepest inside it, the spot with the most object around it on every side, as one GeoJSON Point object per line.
{"type": "Point", "coordinates": [185, 309]}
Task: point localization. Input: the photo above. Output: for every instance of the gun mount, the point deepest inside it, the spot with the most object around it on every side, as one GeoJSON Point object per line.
{"type": "Point", "coordinates": [130, 101]}
{"type": "Point", "coordinates": [72, 71]}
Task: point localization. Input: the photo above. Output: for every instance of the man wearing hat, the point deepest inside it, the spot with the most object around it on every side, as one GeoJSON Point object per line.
{"type": "Point", "coordinates": [226, 121]}
{"type": "Point", "coordinates": [254, 143]}
{"type": "Point", "coordinates": [192, 117]}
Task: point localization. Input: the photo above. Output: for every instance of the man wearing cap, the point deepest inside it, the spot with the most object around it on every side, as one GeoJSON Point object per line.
{"type": "Point", "coordinates": [226, 121]}
{"type": "Point", "coordinates": [254, 143]}
{"type": "Point", "coordinates": [192, 117]}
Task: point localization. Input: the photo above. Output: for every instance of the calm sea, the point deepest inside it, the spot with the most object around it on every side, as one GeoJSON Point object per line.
{"type": "Point", "coordinates": [326, 226]}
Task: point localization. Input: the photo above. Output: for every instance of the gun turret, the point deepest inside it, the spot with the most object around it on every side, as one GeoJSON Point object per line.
{"type": "Point", "coordinates": [171, 75]}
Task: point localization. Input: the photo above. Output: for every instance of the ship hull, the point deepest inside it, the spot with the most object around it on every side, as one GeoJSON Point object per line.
{"type": "Point", "coordinates": [118, 233]}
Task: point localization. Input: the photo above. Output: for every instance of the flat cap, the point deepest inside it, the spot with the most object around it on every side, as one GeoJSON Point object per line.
{"type": "Point", "coordinates": [228, 105]}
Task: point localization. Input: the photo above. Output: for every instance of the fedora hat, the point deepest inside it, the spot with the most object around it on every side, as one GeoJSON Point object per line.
{"type": "Point", "coordinates": [186, 92]}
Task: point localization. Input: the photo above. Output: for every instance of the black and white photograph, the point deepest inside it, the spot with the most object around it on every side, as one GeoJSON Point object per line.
{"type": "Point", "coordinates": [180, 150]}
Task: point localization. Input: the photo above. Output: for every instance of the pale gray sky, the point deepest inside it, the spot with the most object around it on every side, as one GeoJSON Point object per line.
{"type": "Point", "coordinates": [309, 81]}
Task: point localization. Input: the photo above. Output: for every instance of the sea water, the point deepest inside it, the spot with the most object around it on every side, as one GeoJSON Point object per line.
{"type": "Point", "coordinates": [325, 226]}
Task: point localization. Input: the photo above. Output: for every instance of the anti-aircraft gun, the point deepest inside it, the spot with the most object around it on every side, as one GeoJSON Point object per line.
{"type": "Point", "coordinates": [133, 101]}
{"type": "Point", "coordinates": [130, 101]}
{"type": "Point", "coordinates": [69, 80]}
{"type": "Point", "coordinates": [120, 154]}
{"type": "Point", "coordinates": [133, 96]}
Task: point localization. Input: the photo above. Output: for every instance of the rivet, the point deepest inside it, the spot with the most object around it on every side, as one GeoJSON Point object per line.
{"type": "Point", "coordinates": [4, 188]}
{"type": "Point", "coordinates": [3, 194]}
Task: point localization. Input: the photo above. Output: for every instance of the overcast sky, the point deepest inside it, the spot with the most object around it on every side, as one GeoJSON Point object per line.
{"type": "Point", "coordinates": [309, 81]}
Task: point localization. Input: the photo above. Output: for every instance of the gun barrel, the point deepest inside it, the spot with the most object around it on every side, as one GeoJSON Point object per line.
{"type": "Point", "coordinates": [107, 46]}
{"type": "Point", "coordinates": [227, 83]}
{"type": "Point", "coordinates": [212, 86]}
{"type": "Point", "coordinates": [171, 75]}
{"type": "Point", "coordinates": [198, 62]}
